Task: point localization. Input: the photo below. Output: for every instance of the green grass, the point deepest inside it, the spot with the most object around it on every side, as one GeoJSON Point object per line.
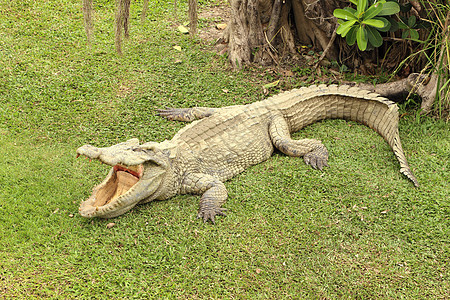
{"type": "Point", "coordinates": [357, 230]}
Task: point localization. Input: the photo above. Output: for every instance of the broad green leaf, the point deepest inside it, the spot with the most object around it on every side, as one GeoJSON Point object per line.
{"type": "Point", "coordinates": [350, 10]}
{"type": "Point", "coordinates": [394, 24]}
{"type": "Point", "coordinates": [386, 23]}
{"type": "Point", "coordinates": [343, 14]}
{"type": "Point", "coordinates": [344, 28]}
{"type": "Point", "coordinates": [402, 25]}
{"type": "Point", "coordinates": [374, 37]}
{"type": "Point", "coordinates": [374, 23]}
{"type": "Point", "coordinates": [389, 8]}
{"type": "Point", "coordinates": [354, 2]}
{"type": "Point", "coordinates": [405, 34]}
{"type": "Point", "coordinates": [361, 6]}
{"type": "Point", "coordinates": [361, 38]}
{"type": "Point", "coordinates": [412, 21]}
{"type": "Point", "coordinates": [351, 36]}
{"type": "Point", "coordinates": [414, 34]}
{"type": "Point", "coordinates": [373, 11]}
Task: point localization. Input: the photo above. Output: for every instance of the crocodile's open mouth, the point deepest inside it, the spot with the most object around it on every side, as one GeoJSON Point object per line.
{"type": "Point", "coordinates": [120, 180]}
{"type": "Point", "coordinates": [135, 176]}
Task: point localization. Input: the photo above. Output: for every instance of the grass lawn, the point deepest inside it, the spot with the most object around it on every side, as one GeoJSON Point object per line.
{"type": "Point", "coordinates": [357, 230]}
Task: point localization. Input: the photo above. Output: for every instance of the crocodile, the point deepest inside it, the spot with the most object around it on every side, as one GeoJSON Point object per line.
{"type": "Point", "coordinates": [222, 142]}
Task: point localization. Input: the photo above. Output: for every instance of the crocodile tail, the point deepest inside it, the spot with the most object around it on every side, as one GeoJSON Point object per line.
{"type": "Point", "coordinates": [390, 133]}
{"type": "Point", "coordinates": [381, 115]}
{"type": "Point", "coordinates": [404, 167]}
{"type": "Point", "coordinates": [307, 105]}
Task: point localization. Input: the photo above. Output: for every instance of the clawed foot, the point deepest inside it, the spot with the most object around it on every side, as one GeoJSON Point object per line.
{"type": "Point", "coordinates": [317, 158]}
{"type": "Point", "coordinates": [208, 213]}
{"type": "Point", "coordinates": [177, 114]}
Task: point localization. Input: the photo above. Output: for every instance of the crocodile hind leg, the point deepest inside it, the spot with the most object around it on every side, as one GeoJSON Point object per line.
{"type": "Point", "coordinates": [186, 114]}
{"type": "Point", "coordinates": [313, 151]}
{"type": "Point", "coordinates": [213, 191]}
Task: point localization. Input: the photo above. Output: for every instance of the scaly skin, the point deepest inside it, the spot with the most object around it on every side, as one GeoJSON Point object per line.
{"type": "Point", "coordinates": [223, 142]}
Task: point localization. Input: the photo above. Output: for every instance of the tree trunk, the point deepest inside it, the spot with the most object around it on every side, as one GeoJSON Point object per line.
{"type": "Point", "coordinates": [260, 31]}
{"type": "Point", "coordinates": [88, 12]}
{"type": "Point", "coordinates": [121, 23]}
{"type": "Point", "coordinates": [193, 20]}
{"type": "Point", "coordinates": [246, 36]}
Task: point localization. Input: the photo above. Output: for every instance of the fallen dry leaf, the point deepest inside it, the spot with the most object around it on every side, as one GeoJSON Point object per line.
{"type": "Point", "coordinates": [221, 26]}
{"type": "Point", "coordinates": [272, 84]}
{"type": "Point", "coordinates": [183, 29]}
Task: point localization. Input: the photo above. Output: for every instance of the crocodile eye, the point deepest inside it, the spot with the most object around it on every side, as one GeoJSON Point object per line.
{"type": "Point", "coordinates": [136, 149]}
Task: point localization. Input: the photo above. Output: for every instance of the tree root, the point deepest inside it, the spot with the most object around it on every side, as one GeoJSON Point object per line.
{"type": "Point", "coordinates": [422, 85]}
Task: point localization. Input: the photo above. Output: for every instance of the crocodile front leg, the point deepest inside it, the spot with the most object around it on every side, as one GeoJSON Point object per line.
{"type": "Point", "coordinates": [186, 114]}
{"type": "Point", "coordinates": [313, 151]}
{"type": "Point", "coordinates": [213, 191]}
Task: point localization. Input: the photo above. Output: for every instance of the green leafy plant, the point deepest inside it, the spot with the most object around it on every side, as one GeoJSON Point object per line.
{"type": "Point", "coordinates": [364, 24]}
{"type": "Point", "coordinates": [408, 26]}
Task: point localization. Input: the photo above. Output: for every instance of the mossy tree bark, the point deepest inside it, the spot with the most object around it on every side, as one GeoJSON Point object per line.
{"type": "Point", "coordinates": [262, 30]}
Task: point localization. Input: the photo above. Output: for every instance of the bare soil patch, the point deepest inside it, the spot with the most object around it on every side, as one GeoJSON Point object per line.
{"type": "Point", "coordinates": [210, 18]}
